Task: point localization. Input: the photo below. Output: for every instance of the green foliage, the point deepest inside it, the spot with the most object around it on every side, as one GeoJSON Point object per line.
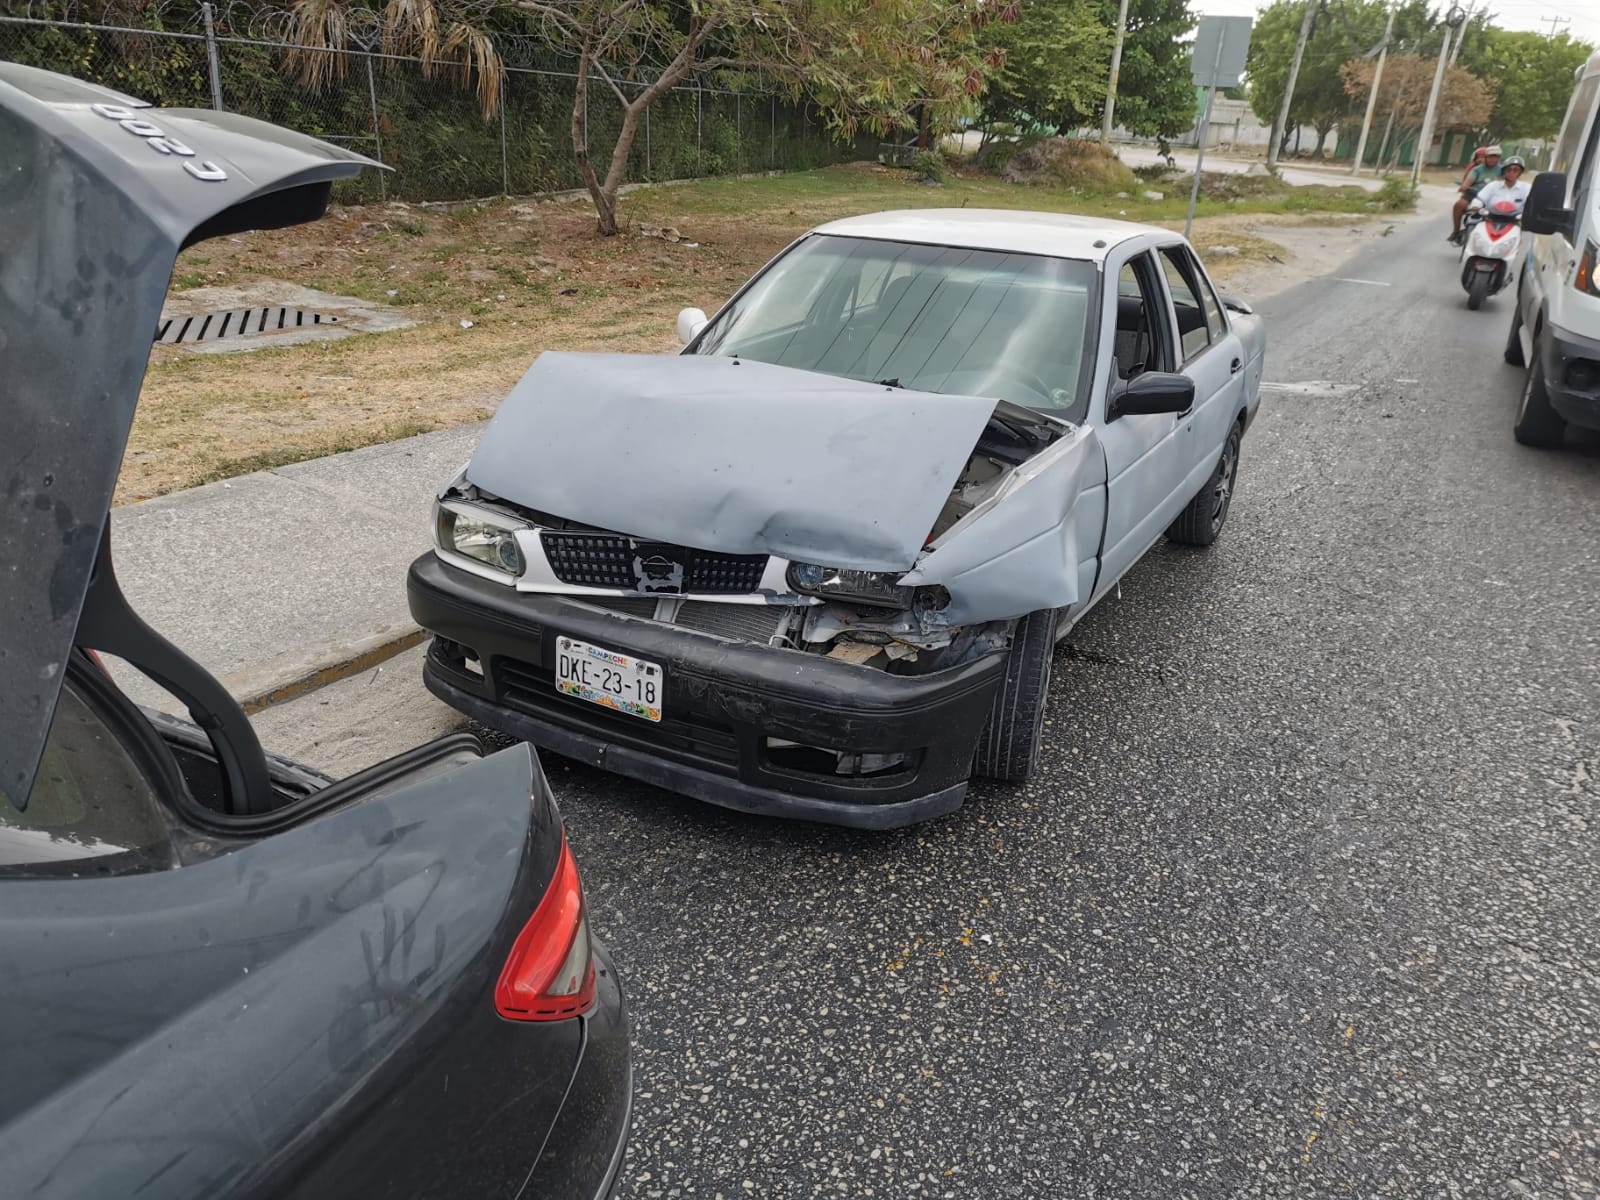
{"type": "Point", "coordinates": [1155, 97]}
{"type": "Point", "coordinates": [1351, 29]}
{"type": "Point", "coordinates": [1071, 163]}
{"type": "Point", "coordinates": [1057, 55]}
{"type": "Point", "coordinates": [930, 165]}
{"type": "Point", "coordinates": [1397, 194]}
{"type": "Point", "coordinates": [1533, 75]}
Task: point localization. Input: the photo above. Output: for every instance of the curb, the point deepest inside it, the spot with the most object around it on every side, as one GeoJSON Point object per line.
{"type": "Point", "coordinates": [299, 673]}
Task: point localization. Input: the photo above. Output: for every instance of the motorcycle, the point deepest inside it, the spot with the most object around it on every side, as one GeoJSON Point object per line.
{"type": "Point", "coordinates": [1489, 249]}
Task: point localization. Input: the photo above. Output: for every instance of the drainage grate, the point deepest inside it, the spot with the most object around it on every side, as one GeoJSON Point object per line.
{"type": "Point", "coordinates": [240, 322]}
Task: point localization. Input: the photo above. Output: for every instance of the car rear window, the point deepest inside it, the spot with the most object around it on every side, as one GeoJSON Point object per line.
{"type": "Point", "coordinates": [935, 318]}
{"type": "Point", "coordinates": [90, 799]}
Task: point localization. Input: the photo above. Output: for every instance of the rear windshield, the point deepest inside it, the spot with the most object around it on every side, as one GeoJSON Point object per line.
{"type": "Point", "coordinates": [936, 318]}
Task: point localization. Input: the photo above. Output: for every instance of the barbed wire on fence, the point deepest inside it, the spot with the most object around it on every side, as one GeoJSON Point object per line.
{"type": "Point", "coordinates": [427, 125]}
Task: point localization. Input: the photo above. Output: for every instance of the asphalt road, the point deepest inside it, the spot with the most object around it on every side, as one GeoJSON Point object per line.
{"type": "Point", "coordinates": [1303, 902]}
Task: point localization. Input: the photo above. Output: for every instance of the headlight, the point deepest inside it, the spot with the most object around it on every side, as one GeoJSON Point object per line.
{"type": "Point", "coordinates": [480, 536]}
{"type": "Point", "coordinates": [838, 583]}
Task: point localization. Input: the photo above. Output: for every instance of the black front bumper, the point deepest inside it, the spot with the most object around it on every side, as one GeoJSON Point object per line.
{"type": "Point", "coordinates": [1571, 365]}
{"type": "Point", "coordinates": [723, 699]}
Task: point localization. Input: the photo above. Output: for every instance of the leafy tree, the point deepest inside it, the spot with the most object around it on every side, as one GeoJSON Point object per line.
{"type": "Point", "coordinates": [1465, 101]}
{"type": "Point", "coordinates": [862, 62]}
{"type": "Point", "coordinates": [1534, 74]}
{"type": "Point", "coordinates": [1055, 58]}
{"type": "Point", "coordinates": [1155, 96]}
{"type": "Point", "coordinates": [1342, 30]}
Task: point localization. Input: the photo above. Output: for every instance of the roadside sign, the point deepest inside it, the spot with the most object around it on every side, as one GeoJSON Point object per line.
{"type": "Point", "coordinates": [1220, 46]}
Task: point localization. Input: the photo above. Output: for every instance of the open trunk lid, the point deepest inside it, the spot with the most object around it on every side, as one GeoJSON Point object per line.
{"type": "Point", "coordinates": [98, 193]}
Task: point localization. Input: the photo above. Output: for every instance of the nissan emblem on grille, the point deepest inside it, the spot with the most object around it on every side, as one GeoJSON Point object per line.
{"type": "Point", "coordinates": [612, 560]}
{"type": "Point", "coordinates": [657, 573]}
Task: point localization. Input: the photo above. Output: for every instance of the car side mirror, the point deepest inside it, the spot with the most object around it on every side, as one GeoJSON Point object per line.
{"type": "Point", "coordinates": [1151, 393]}
{"type": "Point", "coordinates": [690, 322]}
{"type": "Point", "coordinates": [1234, 304]}
{"type": "Point", "coordinates": [1545, 210]}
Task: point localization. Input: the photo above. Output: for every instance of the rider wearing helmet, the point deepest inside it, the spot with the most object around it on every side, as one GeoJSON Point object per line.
{"type": "Point", "coordinates": [1471, 183]}
{"type": "Point", "coordinates": [1510, 187]}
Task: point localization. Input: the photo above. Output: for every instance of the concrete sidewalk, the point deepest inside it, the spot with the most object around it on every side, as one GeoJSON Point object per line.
{"type": "Point", "coordinates": [281, 580]}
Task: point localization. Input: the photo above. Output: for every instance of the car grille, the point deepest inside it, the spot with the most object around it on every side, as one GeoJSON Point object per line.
{"type": "Point", "coordinates": [606, 560]}
{"type": "Point", "coordinates": [748, 622]}
{"type": "Point", "coordinates": [532, 689]}
{"type": "Point", "coordinates": [752, 622]}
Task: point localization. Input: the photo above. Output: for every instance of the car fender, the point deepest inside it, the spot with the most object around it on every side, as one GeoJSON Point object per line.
{"type": "Point", "coordinates": [1021, 549]}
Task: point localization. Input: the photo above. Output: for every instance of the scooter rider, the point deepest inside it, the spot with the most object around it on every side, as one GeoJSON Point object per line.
{"type": "Point", "coordinates": [1483, 173]}
{"type": "Point", "coordinates": [1510, 186]}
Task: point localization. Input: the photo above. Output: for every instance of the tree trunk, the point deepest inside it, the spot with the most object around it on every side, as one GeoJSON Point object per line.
{"type": "Point", "coordinates": [605, 201]}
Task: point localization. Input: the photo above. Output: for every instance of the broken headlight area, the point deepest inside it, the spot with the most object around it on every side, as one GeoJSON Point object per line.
{"type": "Point", "coordinates": [877, 589]}
{"type": "Point", "coordinates": [897, 643]}
{"type": "Point", "coordinates": [486, 540]}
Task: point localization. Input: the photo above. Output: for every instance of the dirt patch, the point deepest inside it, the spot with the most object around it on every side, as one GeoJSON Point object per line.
{"type": "Point", "coordinates": [1276, 253]}
{"type": "Point", "coordinates": [491, 286]}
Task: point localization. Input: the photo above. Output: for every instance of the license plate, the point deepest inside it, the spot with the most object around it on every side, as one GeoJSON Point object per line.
{"type": "Point", "coordinates": [616, 681]}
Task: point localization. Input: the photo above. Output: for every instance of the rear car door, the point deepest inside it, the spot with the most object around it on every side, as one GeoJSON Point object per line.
{"type": "Point", "coordinates": [1142, 465]}
{"type": "Point", "coordinates": [1213, 356]}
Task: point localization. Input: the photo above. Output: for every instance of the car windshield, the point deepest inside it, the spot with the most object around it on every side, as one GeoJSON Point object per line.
{"type": "Point", "coordinates": [935, 318]}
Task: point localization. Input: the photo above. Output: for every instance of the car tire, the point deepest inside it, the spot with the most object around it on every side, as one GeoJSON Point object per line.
{"type": "Point", "coordinates": [1514, 342]}
{"type": "Point", "coordinates": [1011, 742]}
{"type": "Point", "coordinates": [1202, 520]}
{"type": "Point", "coordinates": [1538, 424]}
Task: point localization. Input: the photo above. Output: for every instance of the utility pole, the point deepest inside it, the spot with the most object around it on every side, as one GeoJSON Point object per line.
{"type": "Point", "coordinates": [1553, 22]}
{"type": "Point", "coordinates": [1280, 127]}
{"type": "Point", "coordinates": [1455, 50]}
{"type": "Point", "coordinates": [1116, 67]}
{"type": "Point", "coordinates": [1372, 96]}
{"type": "Point", "coordinates": [1454, 20]}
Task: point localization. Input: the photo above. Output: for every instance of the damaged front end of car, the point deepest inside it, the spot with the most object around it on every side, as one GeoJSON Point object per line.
{"type": "Point", "coordinates": [857, 538]}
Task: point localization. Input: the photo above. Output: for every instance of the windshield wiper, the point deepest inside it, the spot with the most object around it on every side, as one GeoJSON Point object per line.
{"type": "Point", "coordinates": [1021, 432]}
{"type": "Point", "coordinates": [894, 383]}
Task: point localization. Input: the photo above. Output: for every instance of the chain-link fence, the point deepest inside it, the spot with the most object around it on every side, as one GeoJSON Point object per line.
{"type": "Point", "coordinates": [425, 123]}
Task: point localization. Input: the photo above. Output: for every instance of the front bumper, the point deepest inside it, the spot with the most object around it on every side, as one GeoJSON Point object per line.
{"type": "Point", "coordinates": [1574, 394]}
{"type": "Point", "coordinates": [723, 700]}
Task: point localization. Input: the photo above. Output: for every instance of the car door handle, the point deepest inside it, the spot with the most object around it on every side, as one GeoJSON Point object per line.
{"type": "Point", "coordinates": [1234, 366]}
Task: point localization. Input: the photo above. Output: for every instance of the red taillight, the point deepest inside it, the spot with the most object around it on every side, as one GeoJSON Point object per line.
{"type": "Point", "coordinates": [549, 975]}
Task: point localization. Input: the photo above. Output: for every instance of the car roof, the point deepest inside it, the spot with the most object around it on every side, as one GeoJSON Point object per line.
{"type": "Point", "coordinates": [1059, 235]}
{"type": "Point", "coordinates": [99, 192]}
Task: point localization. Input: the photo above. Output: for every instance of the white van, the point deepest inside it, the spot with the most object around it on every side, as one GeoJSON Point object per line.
{"type": "Point", "coordinates": [1555, 327]}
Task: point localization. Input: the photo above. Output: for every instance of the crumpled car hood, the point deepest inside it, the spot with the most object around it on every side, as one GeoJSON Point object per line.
{"type": "Point", "coordinates": [731, 455]}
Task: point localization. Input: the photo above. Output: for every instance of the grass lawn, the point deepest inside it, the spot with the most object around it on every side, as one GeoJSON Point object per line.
{"type": "Point", "coordinates": [534, 277]}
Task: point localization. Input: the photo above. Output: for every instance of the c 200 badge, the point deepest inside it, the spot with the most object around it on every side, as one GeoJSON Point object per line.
{"type": "Point", "coordinates": [160, 141]}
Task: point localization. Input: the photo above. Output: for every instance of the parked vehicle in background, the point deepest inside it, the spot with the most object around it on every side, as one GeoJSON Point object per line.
{"type": "Point", "coordinates": [223, 974]}
{"type": "Point", "coordinates": [816, 565]}
{"type": "Point", "coordinates": [1555, 327]}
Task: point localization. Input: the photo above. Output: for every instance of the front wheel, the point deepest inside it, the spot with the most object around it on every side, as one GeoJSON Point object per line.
{"type": "Point", "coordinates": [1010, 745]}
{"type": "Point", "coordinates": [1477, 290]}
{"type": "Point", "coordinates": [1538, 424]}
{"type": "Point", "coordinates": [1202, 520]}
